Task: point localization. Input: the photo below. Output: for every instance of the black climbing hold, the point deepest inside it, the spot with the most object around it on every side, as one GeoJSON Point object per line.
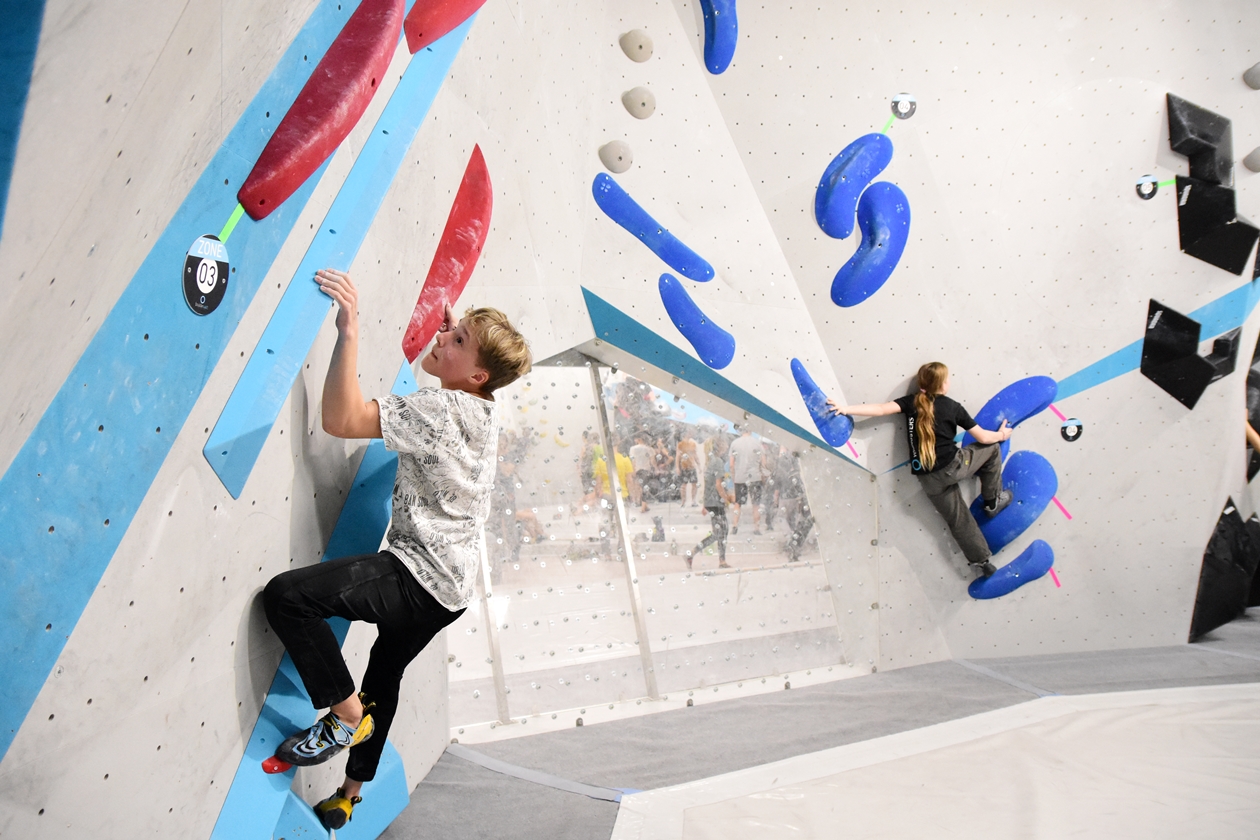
{"type": "Point", "coordinates": [1210, 227]}
{"type": "Point", "coordinates": [1204, 137]}
{"type": "Point", "coordinates": [1225, 579]}
{"type": "Point", "coordinates": [1170, 354]}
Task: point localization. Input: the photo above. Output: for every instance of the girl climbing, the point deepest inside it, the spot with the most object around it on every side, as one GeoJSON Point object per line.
{"type": "Point", "coordinates": [932, 421]}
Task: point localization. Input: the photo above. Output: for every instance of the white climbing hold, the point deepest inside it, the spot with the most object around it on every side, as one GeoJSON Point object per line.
{"type": "Point", "coordinates": [639, 102]}
{"type": "Point", "coordinates": [637, 45]}
{"type": "Point", "coordinates": [616, 156]}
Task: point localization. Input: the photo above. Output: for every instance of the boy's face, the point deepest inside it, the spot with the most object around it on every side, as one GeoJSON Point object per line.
{"type": "Point", "coordinates": [454, 357]}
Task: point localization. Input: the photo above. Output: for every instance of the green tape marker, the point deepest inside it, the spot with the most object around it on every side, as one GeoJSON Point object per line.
{"type": "Point", "coordinates": [231, 223]}
{"type": "Point", "coordinates": [1167, 183]}
{"type": "Point", "coordinates": [888, 125]}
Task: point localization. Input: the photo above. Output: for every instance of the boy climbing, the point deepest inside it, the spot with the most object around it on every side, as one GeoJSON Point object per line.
{"type": "Point", "coordinates": [446, 439]}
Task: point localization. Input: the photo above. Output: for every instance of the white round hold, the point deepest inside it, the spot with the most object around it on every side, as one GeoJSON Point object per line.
{"type": "Point", "coordinates": [1252, 77]}
{"type": "Point", "coordinates": [639, 102]}
{"type": "Point", "coordinates": [616, 156]}
{"type": "Point", "coordinates": [637, 45]}
{"type": "Point", "coordinates": [1252, 161]}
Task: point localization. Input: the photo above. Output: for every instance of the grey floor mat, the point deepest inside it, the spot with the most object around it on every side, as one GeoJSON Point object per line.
{"type": "Point", "coordinates": [460, 800]}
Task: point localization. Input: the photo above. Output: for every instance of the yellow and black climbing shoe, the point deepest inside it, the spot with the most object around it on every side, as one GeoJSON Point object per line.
{"type": "Point", "coordinates": [334, 812]}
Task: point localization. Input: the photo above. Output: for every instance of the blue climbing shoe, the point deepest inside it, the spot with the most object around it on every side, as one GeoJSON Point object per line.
{"type": "Point", "coordinates": [325, 739]}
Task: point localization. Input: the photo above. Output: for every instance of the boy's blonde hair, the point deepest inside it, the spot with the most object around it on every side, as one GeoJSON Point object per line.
{"type": "Point", "coordinates": [501, 350]}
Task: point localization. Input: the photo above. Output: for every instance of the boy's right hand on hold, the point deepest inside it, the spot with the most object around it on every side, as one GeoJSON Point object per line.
{"type": "Point", "coordinates": [449, 321]}
{"type": "Point", "coordinates": [338, 286]}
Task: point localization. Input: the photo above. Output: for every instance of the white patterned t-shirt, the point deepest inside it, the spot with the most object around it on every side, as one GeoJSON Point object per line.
{"type": "Point", "coordinates": [446, 441]}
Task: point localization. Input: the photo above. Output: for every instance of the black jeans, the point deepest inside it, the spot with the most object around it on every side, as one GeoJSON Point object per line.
{"type": "Point", "coordinates": [376, 588]}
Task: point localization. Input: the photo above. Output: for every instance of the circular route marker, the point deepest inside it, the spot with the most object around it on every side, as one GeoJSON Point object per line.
{"type": "Point", "coordinates": [206, 271]}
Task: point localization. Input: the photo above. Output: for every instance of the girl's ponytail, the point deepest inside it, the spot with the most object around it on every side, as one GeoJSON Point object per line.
{"type": "Point", "coordinates": [931, 378]}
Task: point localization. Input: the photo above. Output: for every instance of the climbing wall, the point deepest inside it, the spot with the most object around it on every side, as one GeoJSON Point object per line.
{"type": "Point", "coordinates": [653, 203]}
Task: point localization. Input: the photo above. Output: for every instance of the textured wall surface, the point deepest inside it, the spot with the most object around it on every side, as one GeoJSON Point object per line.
{"type": "Point", "coordinates": [1029, 254]}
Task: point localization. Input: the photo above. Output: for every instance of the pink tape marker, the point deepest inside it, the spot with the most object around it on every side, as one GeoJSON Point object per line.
{"type": "Point", "coordinates": [1055, 499]}
{"type": "Point", "coordinates": [1056, 578]}
{"type": "Point", "coordinates": [853, 450]}
{"type": "Point", "coordinates": [1057, 413]}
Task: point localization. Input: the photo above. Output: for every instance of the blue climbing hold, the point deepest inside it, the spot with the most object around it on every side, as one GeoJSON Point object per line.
{"type": "Point", "coordinates": [721, 31]}
{"type": "Point", "coordinates": [714, 345]}
{"type": "Point", "coordinates": [1033, 483]}
{"type": "Point", "coordinates": [1016, 403]}
{"type": "Point", "coordinates": [623, 210]}
{"type": "Point", "coordinates": [834, 428]}
{"type": "Point", "coordinates": [844, 179]}
{"type": "Point", "coordinates": [884, 217]}
{"type": "Point", "coordinates": [1033, 563]}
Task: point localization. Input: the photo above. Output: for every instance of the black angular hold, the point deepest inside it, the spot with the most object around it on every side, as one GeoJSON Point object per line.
{"type": "Point", "coordinates": [1205, 138]}
{"type": "Point", "coordinates": [1225, 579]}
{"type": "Point", "coordinates": [1170, 354]}
{"type": "Point", "coordinates": [1210, 227]}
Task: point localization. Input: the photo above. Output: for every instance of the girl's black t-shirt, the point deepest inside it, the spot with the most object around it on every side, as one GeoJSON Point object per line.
{"type": "Point", "coordinates": [949, 416]}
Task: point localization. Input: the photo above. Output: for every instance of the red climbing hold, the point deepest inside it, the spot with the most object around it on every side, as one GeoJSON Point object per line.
{"type": "Point", "coordinates": [274, 765]}
{"type": "Point", "coordinates": [331, 102]}
{"type": "Point", "coordinates": [456, 256]}
{"type": "Point", "coordinates": [431, 19]}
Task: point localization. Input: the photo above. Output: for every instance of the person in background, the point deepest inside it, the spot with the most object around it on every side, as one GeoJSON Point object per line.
{"type": "Point", "coordinates": [641, 456]}
{"type": "Point", "coordinates": [685, 463]}
{"type": "Point", "coordinates": [746, 474]}
{"type": "Point", "coordinates": [716, 497]}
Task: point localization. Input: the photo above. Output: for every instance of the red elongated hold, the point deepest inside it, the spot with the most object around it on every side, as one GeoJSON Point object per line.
{"type": "Point", "coordinates": [431, 19]}
{"type": "Point", "coordinates": [456, 256]}
{"type": "Point", "coordinates": [274, 765]}
{"type": "Point", "coordinates": [331, 102]}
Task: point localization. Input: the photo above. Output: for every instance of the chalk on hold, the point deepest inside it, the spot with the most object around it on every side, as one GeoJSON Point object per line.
{"type": "Point", "coordinates": [1252, 77]}
{"type": "Point", "coordinates": [1203, 136]}
{"type": "Point", "coordinates": [845, 178]}
{"type": "Point", "coordinates": [637, 45]}
{"type": "Point", "coordinates": [626, 212]}
{"type": "Point", "coordinates": [639, 102]}
{"type": "Point", "coordinates": [834, 428]}
{"type": "Point", "coordinates": [714, 345]}
{"type": "Point", "coordinates": [1015, 403]}
{"type": "Point", "coordinates": [616, 156]}
{"type": "Point", "coordinates": [1033, 483]}
{"type": "Point", "coordinates": [1032, 564]}
{"type": "Point", "coordinates": [884, 218]}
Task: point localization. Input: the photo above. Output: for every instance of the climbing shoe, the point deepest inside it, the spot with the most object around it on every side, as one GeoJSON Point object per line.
{"type": "Point", "coordinates": [325, 739]}
{"type": "Point", "coordinates": [996, 506]}
{"type": "Point", "coordinates": [335, 811]}
{"type": "Point", "coordinates": [984, 569]}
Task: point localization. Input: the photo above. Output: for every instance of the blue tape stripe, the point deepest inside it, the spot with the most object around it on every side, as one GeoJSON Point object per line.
{"type": "Point", "coordinates": [243, 427]}
{"type": "Point", "coordinates": [256, 799]}
{"type": "Point", "coordinates": [620, 330]}
{"type": "Point", "coordinates": [1220, 316]}
{"type": "Point", "coordinates": [96, 450]}
{"type": "Point", "coordinates": [19, 41]}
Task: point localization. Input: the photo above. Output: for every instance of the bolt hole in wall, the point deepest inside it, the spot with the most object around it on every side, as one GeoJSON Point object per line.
{"type": "Point", "coordinates": [561, 609]}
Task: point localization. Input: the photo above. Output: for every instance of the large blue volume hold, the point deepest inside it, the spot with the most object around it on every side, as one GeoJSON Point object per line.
{"type": "Point", "coordinates": [884, 217]}
{"type": "Point", "coordinates": [1033, 563]}
{"type": "Point", "coordinates": [1033, 483]}
{"type": "Point", "coordinates": [714, 345]}
{"type": "Point", "coordinates": [844, 179]}
{"type": "Point", "coordinates": [834, 428]}
{"type": "Point", "coordinates": [721, 31]}
{"type": "Point", "coordinates": [246, 421]}
{"type": "Point", "coordinates": [1016, 403]}
{"type": "Point", "coordinates": [622, 209]}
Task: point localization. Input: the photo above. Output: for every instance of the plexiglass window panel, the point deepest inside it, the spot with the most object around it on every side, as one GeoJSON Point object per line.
{"type": "Point", "coordinates": [756, 600]}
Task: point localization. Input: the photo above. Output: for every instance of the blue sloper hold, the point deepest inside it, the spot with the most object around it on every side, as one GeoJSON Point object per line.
{"type": "Point", "coordinates": [1033, 483]}
{"type": "Point", "coordinates": [884, 217]}
{"type": "Point", "coordinates": [623, 210]}
{"type": "Point", "coordinates": [844, 179]}
{"type": "Point", "coordinates": [1033, 563]}
{"type": "Point", "coordinates": [721, 31]}
{"type": "Point", "coordinates": [1015, 403]}
{"type": "Point", "coordinates": [714, 345]}
{"type": "Point", "coordinates": [834, 428]}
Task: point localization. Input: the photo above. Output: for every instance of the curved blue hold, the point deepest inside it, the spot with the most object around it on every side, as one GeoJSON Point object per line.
{"type": "Point", "coordinates": [1032, 481]}
{"type": "Point", "coordinates": [1033, 563]}
{"type": "Point", "coordinates": [834, 428]}
{"type": "Point", "coordinates": [844, 179]}
{"type": "Point", "coordinates": [623, 210]}
{"type": "Point", "coordinates": [1016, 403]}
{"type": "Point", "coordinates": [884, 217]}
{"type": "Point", "coordinates": [721, 31]}
{"type": "Point", "coordinates": [714, 345]}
